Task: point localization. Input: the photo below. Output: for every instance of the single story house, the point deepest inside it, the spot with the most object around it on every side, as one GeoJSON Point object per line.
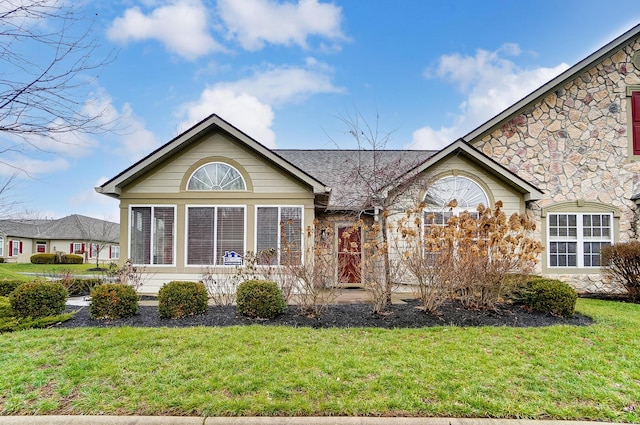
{"type": "Point", "coordinates": [92, 238]}
{"type": "Point", "coordinates": [568, 154]}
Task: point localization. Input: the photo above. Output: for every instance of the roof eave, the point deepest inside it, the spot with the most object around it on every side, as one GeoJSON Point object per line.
{"type": "Point", "coordinates": [113, 187]}
{"type": "Point", "coordinates": [528, 191]}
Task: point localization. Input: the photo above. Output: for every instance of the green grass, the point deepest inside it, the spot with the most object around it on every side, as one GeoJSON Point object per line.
{"type": "Point", "coordinates": [559, 372]}
{"type": "Point", "coordinates": [13, 270]}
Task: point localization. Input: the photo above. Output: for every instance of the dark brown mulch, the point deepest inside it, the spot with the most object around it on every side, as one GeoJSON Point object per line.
{"type": "Point", "coordinates": [344, 316]}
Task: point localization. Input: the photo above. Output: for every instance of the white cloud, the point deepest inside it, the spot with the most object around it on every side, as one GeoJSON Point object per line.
{"type": "Point", "coordinates": [285, 84]}
{"type": "Point", "coordinates": [33, 167]}
{"type": "Point", "coordinates": [256, 22]}
{"type": "Point", "coordinates": [490, 82]}
{"type": "Point", "coordinates": [135, 139]}
{"type": "Point", "coordinates": [182, 26]}
{"type": "Point", "coordinates": [247, 103]}
{"type": "Point", "coordinates": [242, 110]}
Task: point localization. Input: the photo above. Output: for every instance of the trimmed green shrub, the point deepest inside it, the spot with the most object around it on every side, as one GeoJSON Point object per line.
{"type": "Point", "coordinates": [550, 296]}
{"type": "Point", "coordinates": [5, 307]}
{"type": "Point", "coordinates": [43, 259]}
{"type": "Point", "coordinates": [10, 324]}
{"type": "Point", "coordinates": [113, 301]}
{"type": "Point", "coordinates": [181, 299]}
{"type": "Point", "coordinates": [621, 262]}
{"type": "Point", "coordinates": [80, 286]}
{"type": "Point", "coordinates": [1, 259]}
{"type": "Point", "coordinates": [260, 298]}
{"type": "Point", "coordinates": [38, 299]}
{"type": "Point", "coordinates": [71, 259]}
{"type": "Point", "coordinates": [7, 286]}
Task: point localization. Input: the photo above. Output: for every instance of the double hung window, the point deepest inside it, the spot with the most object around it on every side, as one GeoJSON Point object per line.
{"type": "Point", "coordinates": [575, 239]}
{"type": "Point", "coordinates": [278, 235]}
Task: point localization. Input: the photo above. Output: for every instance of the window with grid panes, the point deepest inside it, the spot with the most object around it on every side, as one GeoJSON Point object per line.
{"type": "Point", "coordinates": [575, 239]}
{"type": "Point", "coordinates": [278, 235]}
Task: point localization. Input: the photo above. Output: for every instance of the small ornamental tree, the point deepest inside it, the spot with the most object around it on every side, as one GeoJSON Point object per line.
{"type": "Point", "coordinates": [621, 262]}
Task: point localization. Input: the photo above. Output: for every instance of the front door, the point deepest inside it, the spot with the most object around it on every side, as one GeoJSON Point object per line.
{"type": "Point", "coordinates": [349, 255]}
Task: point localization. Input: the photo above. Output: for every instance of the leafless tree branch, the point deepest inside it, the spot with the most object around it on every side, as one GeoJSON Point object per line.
{"type": "Point", "coordinates": [46, 62]}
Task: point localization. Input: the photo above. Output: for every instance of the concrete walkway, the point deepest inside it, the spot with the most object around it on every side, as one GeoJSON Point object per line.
{"type": "Point", "coordinates": [263, 420]}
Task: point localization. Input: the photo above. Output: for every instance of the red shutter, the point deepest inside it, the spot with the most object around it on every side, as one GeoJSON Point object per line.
{"type": "Point", "coordinates": [71, 248]}
{"type": "Point", "coordinates": [635, 121]}
{"type": "Point", "coordinates": [110, 251]}
{"type": "Point", "coordinates": [10, 248]}
{"type": "Point", "coordinates": [20, 249]}
{"type": "Point", "coordinates": [83, 250]}
{"type": "Point", "coordinates": [90, 250]}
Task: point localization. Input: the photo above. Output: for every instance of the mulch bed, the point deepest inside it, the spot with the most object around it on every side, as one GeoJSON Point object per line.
{"type": "Point", "coordinates": [343, 316]}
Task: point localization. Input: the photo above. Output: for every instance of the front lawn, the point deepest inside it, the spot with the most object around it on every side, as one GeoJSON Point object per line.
{"type": "Point", "coordinates": [558, 372]}
{"type": "Point", "coordinates": [14, 270]}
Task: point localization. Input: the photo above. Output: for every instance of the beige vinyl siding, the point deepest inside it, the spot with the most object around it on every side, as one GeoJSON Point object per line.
{"type": "Point", "coordinates": [27, 251]}
{"type": "Point", "coordinates": [263, 177]}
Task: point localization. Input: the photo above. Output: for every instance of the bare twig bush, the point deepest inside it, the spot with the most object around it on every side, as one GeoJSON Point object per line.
{"type": "Point", "coordinates": [130, 274]}
{"type": "Point", "coordinates": [621, 262]}
{"type": "Point", "coordinates": [221, 287]}
{"type": "Point", "coordinates": [470, 259]}
{"type": "Point", "coordinates": [315, 274]}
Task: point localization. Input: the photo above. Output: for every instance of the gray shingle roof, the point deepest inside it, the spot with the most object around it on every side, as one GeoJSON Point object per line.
{"type": "Point", "coordinates": [73, 227]}
{"type": "Point", "coordinates": [349, 173]}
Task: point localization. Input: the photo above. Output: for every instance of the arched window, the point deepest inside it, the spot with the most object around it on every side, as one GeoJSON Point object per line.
{"type": "Point", "coordinates": [465, 191]}
{"type": "Point", "coordinates": [216, 176]}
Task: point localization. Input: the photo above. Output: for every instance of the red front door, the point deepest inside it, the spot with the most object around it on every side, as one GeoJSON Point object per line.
{"type": "Point", "coordinates": [349, 255]}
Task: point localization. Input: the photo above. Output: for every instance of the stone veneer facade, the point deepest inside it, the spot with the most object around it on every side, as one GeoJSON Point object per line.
{"type": "Point", "coordinates": [574, 145]}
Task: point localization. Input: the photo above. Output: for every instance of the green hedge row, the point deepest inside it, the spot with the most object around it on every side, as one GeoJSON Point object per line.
{"type": "Point", "coordinates": [56, 259]}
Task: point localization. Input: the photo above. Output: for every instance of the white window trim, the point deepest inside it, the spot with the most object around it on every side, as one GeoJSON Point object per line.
{"type": "Point", "coordinates": [579, 240]}
{"type": "Point", "coordinates": [215, 234]}
{"type": "Point", "coordinates": [116, 248]}
{"type": "Point", "coordinates": [302, 231]}
{"type": "Point", "coordinates": [13, 244]}
{"type": "Point", "coordinates": [175, 217]}
{"type": "Point", "coordinates": [38, 244]}
{"type": "Point", "coordinates": [2, 246]}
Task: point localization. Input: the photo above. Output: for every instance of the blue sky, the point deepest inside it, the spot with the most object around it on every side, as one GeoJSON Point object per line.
{"type": "Point", "coordinates": [285, 72]}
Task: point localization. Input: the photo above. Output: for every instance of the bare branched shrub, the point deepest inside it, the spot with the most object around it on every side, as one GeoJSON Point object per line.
{"type": "Point", "coordinates": [220, 287]}
{"type": "Point", "coordinates": [426, 265]}
{"type": "Point", "coordinates": [621, 262]}
{"type": "Point", "coordinates": [470, 258]}
{"type": "Point", "coordinates": [315, 275]}
{"type": "Point", "coordinates": [130, 274]}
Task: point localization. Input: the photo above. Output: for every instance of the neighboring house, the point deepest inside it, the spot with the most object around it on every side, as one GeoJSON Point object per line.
{"type": "Point", "coordinates": [568, 154]}
{"type": "Point", "coordinates": [92, 238]}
